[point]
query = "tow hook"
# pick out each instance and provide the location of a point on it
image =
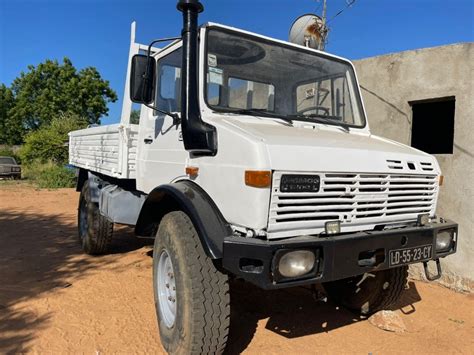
(427, 273)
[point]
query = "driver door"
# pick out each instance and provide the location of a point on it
(161, 154)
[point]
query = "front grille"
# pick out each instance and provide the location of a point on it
(354, 199)
(426, 166)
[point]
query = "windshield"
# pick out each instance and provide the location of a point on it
(247, 74)
(7, 160)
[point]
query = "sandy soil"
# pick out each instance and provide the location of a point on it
(55, 299)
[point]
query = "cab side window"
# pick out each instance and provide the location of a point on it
(169, 82)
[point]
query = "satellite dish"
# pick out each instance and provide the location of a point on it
(309, 31)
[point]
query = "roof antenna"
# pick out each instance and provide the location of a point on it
(311, 30)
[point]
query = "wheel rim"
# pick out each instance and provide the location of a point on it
(83, 225)
(166, 289)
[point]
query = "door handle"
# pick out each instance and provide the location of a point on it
(148, 140)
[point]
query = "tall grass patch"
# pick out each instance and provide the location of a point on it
(49, 175)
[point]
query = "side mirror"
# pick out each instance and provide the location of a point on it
(142, 79)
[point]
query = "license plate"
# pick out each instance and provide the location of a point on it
(410, 255)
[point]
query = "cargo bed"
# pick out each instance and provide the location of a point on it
(109, 150)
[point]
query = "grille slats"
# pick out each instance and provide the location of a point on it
(316, 208)
(393, 191)
(426, 166)
(378, 180)
(354, 199)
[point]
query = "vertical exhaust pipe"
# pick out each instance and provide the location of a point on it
(199, 137)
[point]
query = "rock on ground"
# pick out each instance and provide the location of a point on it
(388, 320)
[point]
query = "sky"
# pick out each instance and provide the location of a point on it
(97, 32)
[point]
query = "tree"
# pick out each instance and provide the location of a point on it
(135, 117)
(49, 143)
(9, 132)
(51, 88)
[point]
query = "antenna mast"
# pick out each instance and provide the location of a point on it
(323, 29)
(312, 30)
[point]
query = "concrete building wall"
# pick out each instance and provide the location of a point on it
(388, 84)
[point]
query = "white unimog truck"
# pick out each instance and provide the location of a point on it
(253, 159)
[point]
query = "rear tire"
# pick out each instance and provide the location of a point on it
(191, 296)
(371, 292)
(95, 230)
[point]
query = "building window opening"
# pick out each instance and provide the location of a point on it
(433, 125)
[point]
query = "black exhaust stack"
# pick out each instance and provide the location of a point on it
(199, 137)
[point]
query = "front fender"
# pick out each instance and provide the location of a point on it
(188, 197)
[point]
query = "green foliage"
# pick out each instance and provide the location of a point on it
(49, 175)
(49, 143)
(10, 131)
(8, 152)
(57, 177)
(49, 89)
(135, 117)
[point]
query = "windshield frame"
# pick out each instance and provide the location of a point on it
(252, 36)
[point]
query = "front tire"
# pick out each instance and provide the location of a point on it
(191, 296)
(371, 292)
(95, 230)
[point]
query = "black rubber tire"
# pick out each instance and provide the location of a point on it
(378, 291)
(202, 318)
(95, 231)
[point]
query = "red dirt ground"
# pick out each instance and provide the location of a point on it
(55, 299)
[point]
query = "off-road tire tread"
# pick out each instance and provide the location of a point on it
(210, 292)
(100, 229)
(398, 278)
(380, 299)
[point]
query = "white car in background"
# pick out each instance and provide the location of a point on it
(9, 168)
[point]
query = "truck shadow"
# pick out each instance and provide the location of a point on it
(291, 313)
(40, 254)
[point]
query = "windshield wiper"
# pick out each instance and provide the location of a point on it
(259, 112)
(333, 120)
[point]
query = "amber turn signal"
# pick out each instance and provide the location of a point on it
(258, 178)
(441, 180)
(192, 170)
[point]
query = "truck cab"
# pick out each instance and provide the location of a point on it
(253, 159)
(291, 113)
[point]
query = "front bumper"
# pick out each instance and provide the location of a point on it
(337, 257)
(10, 174)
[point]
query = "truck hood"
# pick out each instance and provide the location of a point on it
(308, 147)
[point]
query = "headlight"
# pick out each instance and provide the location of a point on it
(296, 263)
(444, 240)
